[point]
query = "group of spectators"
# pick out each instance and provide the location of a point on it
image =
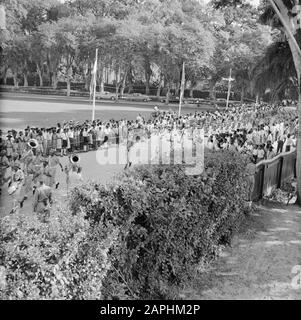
(261, 130)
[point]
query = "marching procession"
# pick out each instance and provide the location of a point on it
(30, 158)
(27, 172)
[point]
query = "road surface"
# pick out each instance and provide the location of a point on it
(20, 110)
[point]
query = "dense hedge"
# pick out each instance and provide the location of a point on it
(168, 222)
(59, 260)
(142, 236)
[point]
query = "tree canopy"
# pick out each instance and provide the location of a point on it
(138, 41)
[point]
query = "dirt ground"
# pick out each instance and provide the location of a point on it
(260, 263)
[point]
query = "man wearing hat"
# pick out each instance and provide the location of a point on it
(42, 201)
(9, 145)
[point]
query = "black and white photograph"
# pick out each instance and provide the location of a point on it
(150, 151)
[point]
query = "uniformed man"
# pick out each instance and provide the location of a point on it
(4, 165)
(42, 201)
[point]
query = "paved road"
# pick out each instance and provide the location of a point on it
(19, 110)
(92, 171)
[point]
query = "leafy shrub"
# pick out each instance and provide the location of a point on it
(167, 222)
(58, 260)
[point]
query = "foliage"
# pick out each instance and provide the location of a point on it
(142, 236)
(285, 193)
(168, 222)
(59, 260)
(142, 41)
(275, 70)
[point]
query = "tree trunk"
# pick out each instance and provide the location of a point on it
(191, 92)
(117, 90)
(101, 80)
(130, 90)
(147, 80)
(123, 83)
(68, 86)
(16, 81)
(130, 80)
(242, 94)
(148, 73)
(54, 80)
(87, 76)
(25, 84)
(40, 76)
(160, 87)
(212, 93)
(167, 94)
(105, 75)
(159, 90)
(117, 80)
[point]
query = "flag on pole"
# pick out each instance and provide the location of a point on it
(182, 88)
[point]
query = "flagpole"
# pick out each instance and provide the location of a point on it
(94, 84)
(182, 87)
(229, 89)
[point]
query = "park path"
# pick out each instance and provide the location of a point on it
(259, 263)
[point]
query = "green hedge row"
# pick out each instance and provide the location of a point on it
(168, 222)
(59, 260)
(141, 237)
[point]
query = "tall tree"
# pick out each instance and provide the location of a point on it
(285, 15)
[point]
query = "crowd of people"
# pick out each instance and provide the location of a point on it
(30, 157)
